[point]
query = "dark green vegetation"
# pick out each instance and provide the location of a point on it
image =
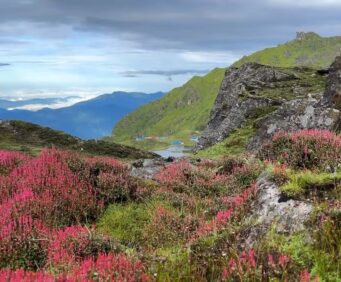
(186, 109)
(31, 138)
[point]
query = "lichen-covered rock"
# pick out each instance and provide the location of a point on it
(287, 215)
(295, 115)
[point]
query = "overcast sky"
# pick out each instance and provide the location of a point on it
(90, 47)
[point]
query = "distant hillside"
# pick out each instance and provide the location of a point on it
(181, 112)
(90, 119)
(31, 138)
(186, 109)
(307, 49)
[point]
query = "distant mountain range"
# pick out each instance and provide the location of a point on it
(186, 109)
(89, 119)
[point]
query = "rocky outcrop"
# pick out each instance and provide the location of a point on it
(295, 115)
(237, 98)
(147, 168)
(242, 92)
(306, 113)
(271, 210)
(332, 95)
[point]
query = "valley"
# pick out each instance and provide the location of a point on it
(173, 115)
(234, 176)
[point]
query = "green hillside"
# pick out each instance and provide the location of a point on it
(179, 114)
(308, 49)
(186, 109)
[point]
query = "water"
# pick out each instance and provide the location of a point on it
(176, 151)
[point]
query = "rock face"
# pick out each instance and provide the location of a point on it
(232, 107)
(306, 113)
(241, 94)
(295, 115)
(332, 95)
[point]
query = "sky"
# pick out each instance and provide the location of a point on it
(59, 48)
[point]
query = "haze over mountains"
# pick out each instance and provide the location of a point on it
(37, 103)
(89, 119)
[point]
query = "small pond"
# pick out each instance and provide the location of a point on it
(176, 151)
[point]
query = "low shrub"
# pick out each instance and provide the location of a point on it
(167, 227)
(10, 160)
(23, 239)
(202, 180)
(61, 198)
(106, 267)
(308, 181)
(21, 275)
(257, 266)
(109, 268)
(69, 246)
(305, 149)
(234, 207)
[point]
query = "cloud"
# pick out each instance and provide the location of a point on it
(191, 25)
(167, 73)
(308, 3)
(62, 103)
(211, 57)
(62, 44)
(4, 65)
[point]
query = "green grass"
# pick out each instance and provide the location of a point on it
(314, 51)
(303, 181)
(125, 222)
(235, 144)
(307, 251)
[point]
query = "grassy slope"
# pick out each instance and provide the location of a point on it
(314, 51)
(23, 136)
(181, 112)
(186, 109)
